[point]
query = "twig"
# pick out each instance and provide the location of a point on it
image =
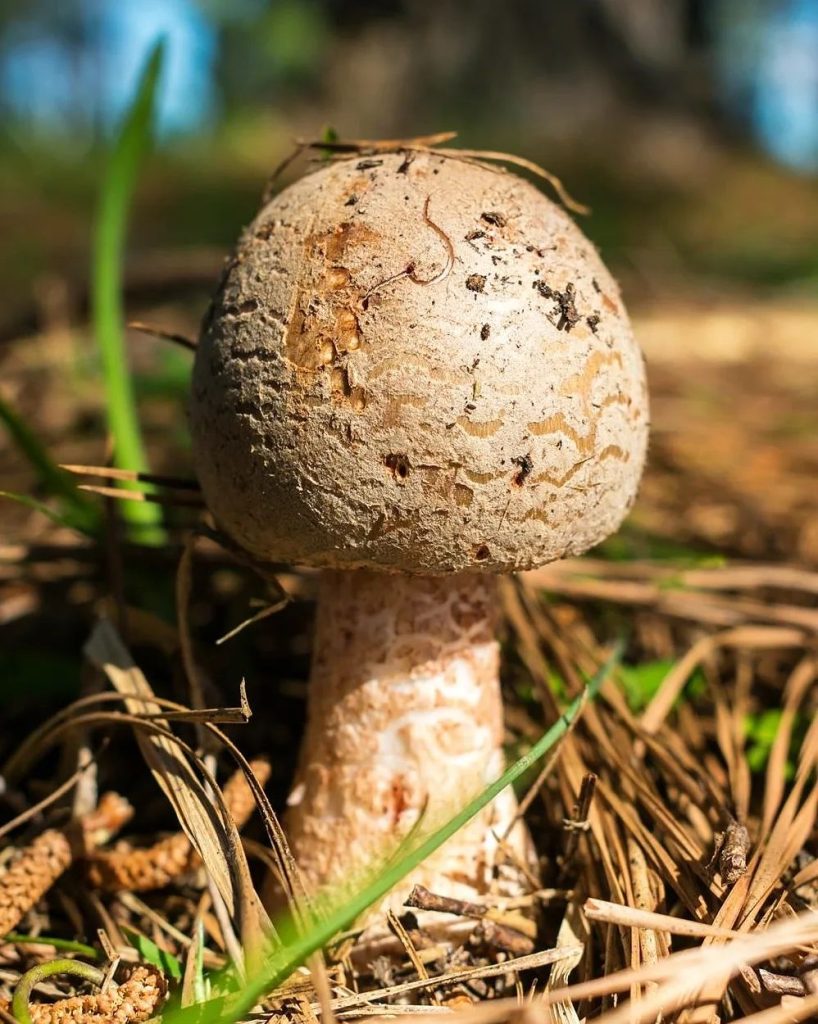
(781, 984)
(112, 473)
(263, 613)
(504, 937)
(159, 332)
(187, 500)
(378, 145)
(631, 917)
(420, 898)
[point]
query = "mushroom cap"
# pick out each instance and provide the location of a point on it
(417, 363)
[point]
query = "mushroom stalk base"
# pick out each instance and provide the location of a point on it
(405, 719)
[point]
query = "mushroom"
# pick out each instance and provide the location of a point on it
(417, 375)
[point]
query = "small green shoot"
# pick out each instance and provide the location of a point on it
(641, 682)
(760, 731)
(130, 146)
(55, 515)
(329, 135)
(156, 957)
(632, 542)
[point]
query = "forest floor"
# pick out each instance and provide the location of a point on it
(676, 829)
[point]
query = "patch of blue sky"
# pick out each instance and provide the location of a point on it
(767, 68)
(81, 73)
(786, 97)
(186, 100)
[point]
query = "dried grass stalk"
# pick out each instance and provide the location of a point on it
(187, 783)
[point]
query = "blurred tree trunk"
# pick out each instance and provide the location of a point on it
(553, 69)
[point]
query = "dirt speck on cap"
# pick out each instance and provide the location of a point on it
(493, 217)
(476, 282)
(565, 304)
(525, 464)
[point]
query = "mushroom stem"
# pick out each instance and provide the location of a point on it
(405, 719)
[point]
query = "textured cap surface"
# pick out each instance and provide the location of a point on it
(417, 364)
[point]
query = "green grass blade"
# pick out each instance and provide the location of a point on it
(77, 511)
(296, 951)
(64, 945)
(129, 147)
(55, 515)
(153, 955)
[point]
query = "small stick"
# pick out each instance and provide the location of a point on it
(502, 937)
(378, 145)
(159, 332)
(781, 984)
(387, 1010)
(41, 805)
(188, 500)
(113, 473)
(263, 613)
(493, 932)
(420, 898)
(631, 917)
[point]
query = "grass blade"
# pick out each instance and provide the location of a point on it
(131, 143)
(57, 517)
(77, 511)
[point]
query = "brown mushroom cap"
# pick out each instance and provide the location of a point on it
(417, 364)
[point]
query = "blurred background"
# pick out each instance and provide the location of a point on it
(690, 127)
